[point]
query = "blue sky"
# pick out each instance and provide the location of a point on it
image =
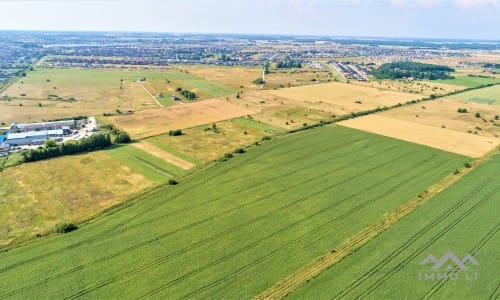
(479, 19)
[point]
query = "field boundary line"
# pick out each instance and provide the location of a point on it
(154, 98)
(163, 155)
(284, 287)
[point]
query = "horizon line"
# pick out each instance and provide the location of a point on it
(304, 35)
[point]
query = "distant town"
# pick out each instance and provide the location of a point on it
(20, 50)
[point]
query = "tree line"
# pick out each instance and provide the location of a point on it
(402, 69)
(110, 135)
(50, 150)
(288, 63)
(117, 136)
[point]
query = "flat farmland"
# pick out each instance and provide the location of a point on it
(202, 144)
(204, 88)
(440, 138)
(30, 111)
(35, 196)
(341, 97)
(291, 108)
(468, 81)
(489, 95)
(281, 78)
(462, 219)
(298, 197)
(90, 88)
(283, 112)
(443, 113)
(164, 155)
(424, 88)
(233, 77)
(156, 165)
(159, 121)
(64, 91)
(241, 78)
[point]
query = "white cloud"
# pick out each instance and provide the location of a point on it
(476, 3)
(427, 3)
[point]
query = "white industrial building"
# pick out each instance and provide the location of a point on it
(42, 126)
(32, 137)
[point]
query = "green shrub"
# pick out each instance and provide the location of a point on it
(63, 227)
(259, 81)
(122, 138)
(176, 132)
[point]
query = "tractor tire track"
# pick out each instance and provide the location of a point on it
(199, 222)
(475, 249)
(424, 246)
(282, 288)
(122, 230)
(411, 240)
(155, 263)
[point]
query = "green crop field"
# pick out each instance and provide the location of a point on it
(208, 87)
(236, 228)
(462, 219)
(489, 95)
(266, 128)
(468, 81)
(149, 166)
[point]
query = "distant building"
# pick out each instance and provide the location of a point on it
(32, 137)
(4, 149)
(42, 126)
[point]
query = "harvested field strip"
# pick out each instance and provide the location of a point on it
(166, 148)
(467, 206)
(295, 196)
(440, 138)
(158, 121)
(156, 151)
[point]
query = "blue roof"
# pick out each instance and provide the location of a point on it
(2, 138)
